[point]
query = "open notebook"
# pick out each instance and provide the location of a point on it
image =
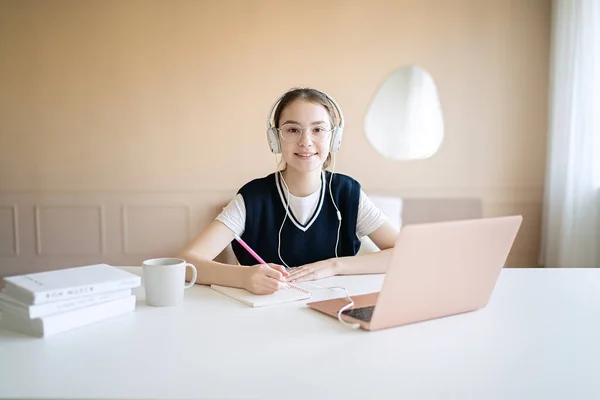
(293, 293)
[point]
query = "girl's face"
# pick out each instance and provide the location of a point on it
(311, 150)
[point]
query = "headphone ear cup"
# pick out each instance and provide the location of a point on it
(336, 139)
(273, 138)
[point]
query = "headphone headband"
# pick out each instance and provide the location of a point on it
(336, 137)
(270, 122)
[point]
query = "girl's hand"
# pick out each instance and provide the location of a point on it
(314, 271)
(264, 279)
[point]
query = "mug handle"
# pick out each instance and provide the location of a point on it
(195, 275)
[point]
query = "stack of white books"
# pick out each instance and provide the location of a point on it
(45, 303)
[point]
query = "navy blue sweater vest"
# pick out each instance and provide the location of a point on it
(316, 240)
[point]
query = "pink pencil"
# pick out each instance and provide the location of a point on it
(260, 260)
(252, 252)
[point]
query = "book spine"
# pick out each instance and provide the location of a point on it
(41, 310)
(50, 325)
(84, 290)
(57, 323)
(52, 308)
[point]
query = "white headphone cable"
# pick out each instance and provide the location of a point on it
(352, 325)
(339, 215)
(287, 205)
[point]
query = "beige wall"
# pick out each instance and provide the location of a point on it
(119, 117)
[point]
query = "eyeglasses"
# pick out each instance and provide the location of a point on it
(292, 132)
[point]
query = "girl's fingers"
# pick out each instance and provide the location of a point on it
(300, 276)
(307, 277)
(272, 285)
(280, 268)
(273, 273)
(297, 271)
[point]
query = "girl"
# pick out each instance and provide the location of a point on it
(304, 221)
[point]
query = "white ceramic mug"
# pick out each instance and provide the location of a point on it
(164, 281)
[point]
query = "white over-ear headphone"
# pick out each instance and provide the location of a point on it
(336, 134)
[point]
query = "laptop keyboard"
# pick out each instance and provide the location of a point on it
(362, 313)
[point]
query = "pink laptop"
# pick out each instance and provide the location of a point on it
(436, 270)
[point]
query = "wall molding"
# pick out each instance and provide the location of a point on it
(125, 246)
(15, 230)
(38, 208)
(125, 239)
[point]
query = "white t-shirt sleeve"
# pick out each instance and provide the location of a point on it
(369, 217)
(234, 215)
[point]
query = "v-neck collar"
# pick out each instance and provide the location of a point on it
(284, 202)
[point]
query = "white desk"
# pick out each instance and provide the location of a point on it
(539, 338)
